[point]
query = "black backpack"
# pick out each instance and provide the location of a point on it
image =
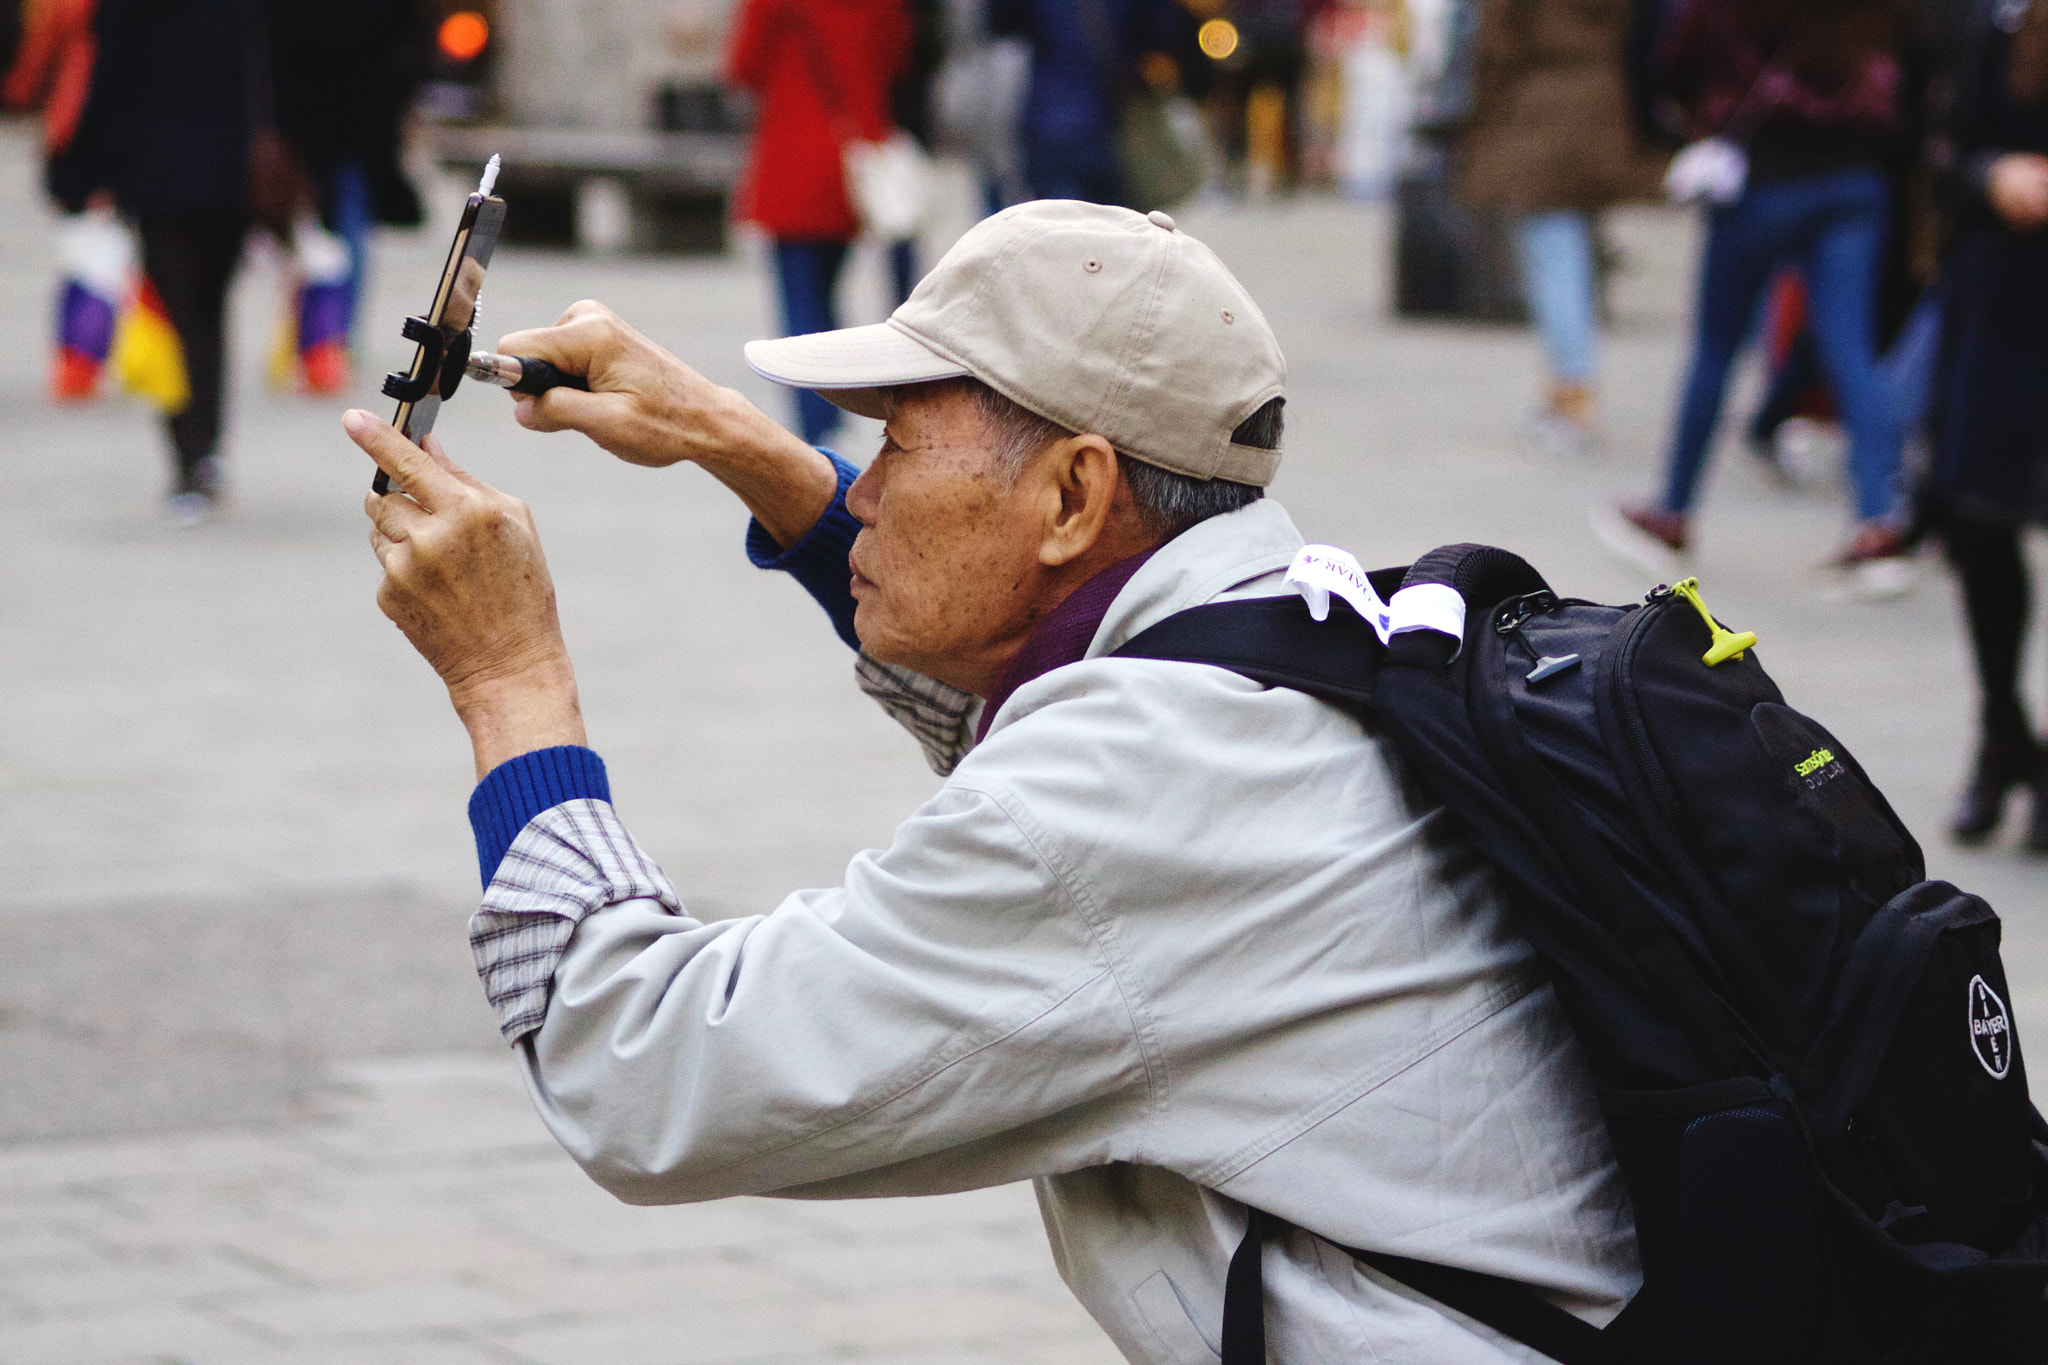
(1803, 1048)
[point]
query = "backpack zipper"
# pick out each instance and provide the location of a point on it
(1517, 613)
(1630, 710)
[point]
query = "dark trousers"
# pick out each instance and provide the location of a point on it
(1833, 227)
(1070, 166)
(807, 274)
(1997, 600)
(191, 261)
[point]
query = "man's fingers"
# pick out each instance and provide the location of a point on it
(588, 340)
(571, 344)
(394, 516)
(439, 454)
(386, 549)
(572, 410)
(428, 483)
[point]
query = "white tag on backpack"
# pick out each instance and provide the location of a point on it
(1319, 571)
(1427, 606)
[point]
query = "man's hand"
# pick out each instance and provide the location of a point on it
(2017, 187)
(465, 580)
(649, 408)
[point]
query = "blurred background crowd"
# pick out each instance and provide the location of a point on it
(1872, 174)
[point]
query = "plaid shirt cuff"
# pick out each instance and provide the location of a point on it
(568, 862)
(941, 717)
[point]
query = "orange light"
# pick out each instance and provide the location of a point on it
(463, 35)
(1217, 38)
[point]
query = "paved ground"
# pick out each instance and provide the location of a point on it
(251, 1103)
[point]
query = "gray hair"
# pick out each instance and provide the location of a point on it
(1167, 503)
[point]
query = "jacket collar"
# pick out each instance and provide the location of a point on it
(1064, 635)
(1221, 556)
(1212, 559)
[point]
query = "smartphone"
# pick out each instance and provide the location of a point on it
(443, 332)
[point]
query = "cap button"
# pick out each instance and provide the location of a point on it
(1160, 218)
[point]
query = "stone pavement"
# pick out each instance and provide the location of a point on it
(252, 1106)
(424, 1217)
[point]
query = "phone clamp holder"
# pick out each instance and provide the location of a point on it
(441, 365)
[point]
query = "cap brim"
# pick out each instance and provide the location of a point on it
(851, 366)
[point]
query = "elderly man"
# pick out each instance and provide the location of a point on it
(1173, 945)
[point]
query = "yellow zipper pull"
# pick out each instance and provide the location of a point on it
(1727, 644)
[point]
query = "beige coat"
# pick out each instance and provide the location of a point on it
(1168, 942)
(1551, 126)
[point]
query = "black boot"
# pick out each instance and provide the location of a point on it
(2002, 764)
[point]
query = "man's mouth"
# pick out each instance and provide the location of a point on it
(860, 580)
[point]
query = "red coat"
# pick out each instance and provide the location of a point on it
(822, 70)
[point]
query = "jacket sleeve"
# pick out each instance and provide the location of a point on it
(27, 82)
(753, 37)
(1980, 123)
(946, 1019)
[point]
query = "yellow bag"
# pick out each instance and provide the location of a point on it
(147, 357)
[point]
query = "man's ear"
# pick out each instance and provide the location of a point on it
(1081, 473)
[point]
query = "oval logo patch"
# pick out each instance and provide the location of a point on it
(1990, 1029)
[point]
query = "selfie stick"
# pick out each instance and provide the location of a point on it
(521, 374)
(444, 356)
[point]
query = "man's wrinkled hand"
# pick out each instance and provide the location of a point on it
(644, 405)
(649, 408)
(465, 580)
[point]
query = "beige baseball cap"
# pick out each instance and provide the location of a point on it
(1097, 318)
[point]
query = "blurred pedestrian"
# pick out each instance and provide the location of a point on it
(1796, 393)
(182, 121)
(347, 73)
(1086, 56)
(1553, 140)
(52, 71)
(1266, 79)
(1989, 416)
(912, 108)
(979, 97)
(823, 71)
(1795, 106)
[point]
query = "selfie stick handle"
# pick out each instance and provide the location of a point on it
(521, 374)
(537, 376)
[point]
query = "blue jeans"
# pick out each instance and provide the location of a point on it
(353, 223)
(1833, 228)
(808, 273)
(1557, 280)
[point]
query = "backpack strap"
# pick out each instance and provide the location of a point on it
(1273, 640)
(1513, 1309)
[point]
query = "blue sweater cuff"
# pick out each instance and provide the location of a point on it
(520, 788)
(818, 561)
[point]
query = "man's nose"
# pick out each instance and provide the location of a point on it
(863, 496)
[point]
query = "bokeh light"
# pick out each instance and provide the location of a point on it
(1218, 38)
(463, 35)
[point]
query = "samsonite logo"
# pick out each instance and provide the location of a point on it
(1817, 767)
(1990, 1029)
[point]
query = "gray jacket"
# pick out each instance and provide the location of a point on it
(1167, 943)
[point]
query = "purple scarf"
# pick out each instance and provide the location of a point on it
(1062, 637)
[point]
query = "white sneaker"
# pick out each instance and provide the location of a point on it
(187, 510)
(1884, 580)
(1809, 452)
(1560, 438)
